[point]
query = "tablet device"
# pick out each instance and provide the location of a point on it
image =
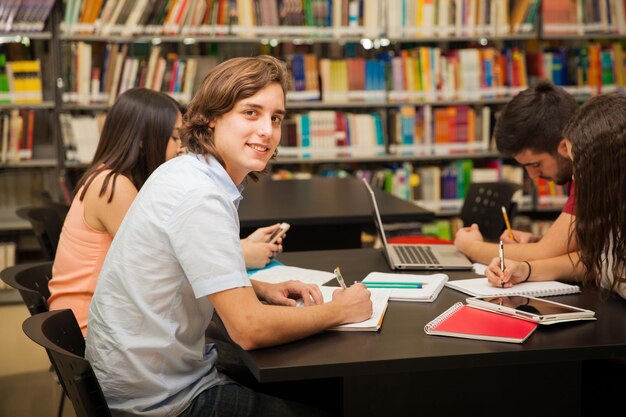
(532, 309)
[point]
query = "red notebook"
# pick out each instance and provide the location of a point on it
(471, 323)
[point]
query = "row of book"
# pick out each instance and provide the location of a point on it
(449, 18)
(592, 69)
(81, 134)
(24, 15)
(17, 133)
(442, 188)
(332, 133)
(427, 73)
(98, 73)
(20, 81)
(221, 17)
(583, 17)
(549, 194)
(428, 130)
(327, 18)
(326, 133)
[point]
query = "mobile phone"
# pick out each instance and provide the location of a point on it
(282, 229)
(531, 308)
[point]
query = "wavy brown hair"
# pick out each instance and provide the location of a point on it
(598, 137)
(229, 82)
(134, 139)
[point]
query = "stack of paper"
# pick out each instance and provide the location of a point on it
(480, 287)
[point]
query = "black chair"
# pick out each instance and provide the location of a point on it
(483, 206)
(58, 332)
(31, 280)
(47, 222)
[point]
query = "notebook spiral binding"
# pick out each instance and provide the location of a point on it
(443, 316)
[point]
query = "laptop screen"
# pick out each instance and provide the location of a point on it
(377, 219)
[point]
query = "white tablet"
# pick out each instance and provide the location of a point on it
(533, 309)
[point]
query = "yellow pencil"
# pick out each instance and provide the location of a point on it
(508, 224)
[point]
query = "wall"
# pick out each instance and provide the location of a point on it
(18, 354)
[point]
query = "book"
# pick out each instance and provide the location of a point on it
(468, 322)
(431, 285)
(25, 81)
(480, 287)
(380, 301)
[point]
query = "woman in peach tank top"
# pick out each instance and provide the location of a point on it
(139, 134)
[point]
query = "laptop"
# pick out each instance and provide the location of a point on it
(418, 256)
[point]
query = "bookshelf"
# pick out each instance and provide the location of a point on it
(374, 91)
(29, 153)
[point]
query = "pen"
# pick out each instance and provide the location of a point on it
(501, 256)
(508, 224)
(501, 261)
(340, 278)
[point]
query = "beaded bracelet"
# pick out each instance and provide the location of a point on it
(529, 271)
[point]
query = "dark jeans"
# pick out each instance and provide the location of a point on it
(234, 400)
(247, 397)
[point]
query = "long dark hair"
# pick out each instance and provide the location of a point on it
(134, 139)
(598, 137)
(229, 82)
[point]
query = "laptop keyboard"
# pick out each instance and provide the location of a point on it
(420, 255)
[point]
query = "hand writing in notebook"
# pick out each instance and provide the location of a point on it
(514, 272)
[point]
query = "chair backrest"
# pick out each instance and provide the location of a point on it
(58, 332)
(47, 222)
(483, 206)
(31, 280)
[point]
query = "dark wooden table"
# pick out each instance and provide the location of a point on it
(324, 213)
(402, 371)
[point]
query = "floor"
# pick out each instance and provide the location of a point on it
(31, 395)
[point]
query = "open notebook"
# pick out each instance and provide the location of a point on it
(380, 300)
(480, 287)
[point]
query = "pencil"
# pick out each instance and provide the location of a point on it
(508, 224)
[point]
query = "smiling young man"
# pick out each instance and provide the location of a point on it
(177, 258)
(529, 129)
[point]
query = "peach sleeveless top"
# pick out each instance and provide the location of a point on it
(77, 264)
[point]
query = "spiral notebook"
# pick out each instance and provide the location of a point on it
(468, 322)
(480, 287)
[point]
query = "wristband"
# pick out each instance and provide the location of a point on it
(529, 271)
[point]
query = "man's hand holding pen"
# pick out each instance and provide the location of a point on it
(356, 300)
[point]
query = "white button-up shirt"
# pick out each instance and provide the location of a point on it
(178, 243)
